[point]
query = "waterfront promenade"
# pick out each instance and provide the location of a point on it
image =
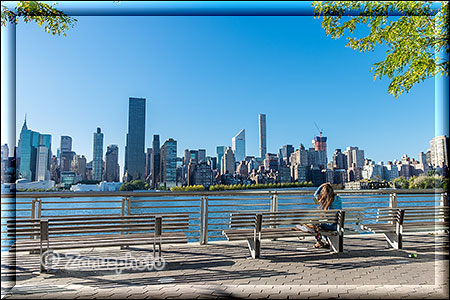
(289, 269)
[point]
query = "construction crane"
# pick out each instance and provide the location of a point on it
(320, 130)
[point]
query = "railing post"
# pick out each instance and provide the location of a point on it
(444, 203)
(39, 210)
(33, 208)
(128, 206)
(202, 219)
(393, 200)
(444, 199)
(205, 226)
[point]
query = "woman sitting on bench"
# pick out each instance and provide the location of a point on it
(327, 199)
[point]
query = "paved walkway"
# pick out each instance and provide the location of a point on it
(288, 269)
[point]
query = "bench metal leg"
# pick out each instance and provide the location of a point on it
(254, 245)
(336, 242)
(394, 240)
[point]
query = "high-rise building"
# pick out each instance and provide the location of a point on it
(66, 144)
(5, 152)
(156, 158)
(79, 166)
(220, 152)
(112, 164)
(168, 167)
(28, 151)
(262, 136)
(202, 155)
(285, 154)
(339, 160)
(356, 156)
(148, 164)
(97, 162)
(238, 145)
(135, 145)
(438, 150)
(271, 162)
(42, 163)
(228, 162)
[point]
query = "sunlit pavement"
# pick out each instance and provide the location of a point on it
(287, 269)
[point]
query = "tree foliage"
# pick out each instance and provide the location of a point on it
(43, 14)
(412, 40)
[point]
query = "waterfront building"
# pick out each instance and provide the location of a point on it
(404, 167)
(438, 151)
(68, 178)
(299, 173)
(202, 174)
(168, 167)
(262, 136)
(372, 171)
(135, 144)
(112, 164)
(24, 184)
(220, 152)
(79, 163)
(238, 145)
(97, 162)
(156, 160)
(148, 164)
(228, 162)
(390, 171)
(284, 174)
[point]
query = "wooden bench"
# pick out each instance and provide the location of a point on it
(393, 222)
(254, 227)
(59, 233)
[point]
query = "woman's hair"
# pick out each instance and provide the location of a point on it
(326, 196)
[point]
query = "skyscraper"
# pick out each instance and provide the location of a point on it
(438, 150)
(238, 145)
(66, 144)
(156, 157)
(285, 154)
(169, 163)
(262, 136)
(148, 163)
(65, 153)
(42, 163)
(29, 143)
(135, 146)
(228, 162)
(220, 152)
(97, 162)
(112, 164)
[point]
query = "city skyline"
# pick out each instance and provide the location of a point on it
(300, 93)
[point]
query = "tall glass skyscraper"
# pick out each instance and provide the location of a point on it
(169, 163)
(220, 152)
(97, 162)
(28, 151)
(135, 146)
(262, 136)
(238, 145)
(156, 157)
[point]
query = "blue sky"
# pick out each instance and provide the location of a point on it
(206, 78)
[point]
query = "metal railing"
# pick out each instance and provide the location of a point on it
(209, 212)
